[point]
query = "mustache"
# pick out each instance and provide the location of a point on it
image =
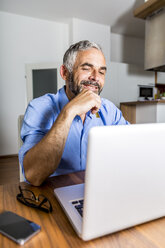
(88, 82)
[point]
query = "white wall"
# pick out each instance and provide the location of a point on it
(127, 49)
(23, 40)
(85, 30)
(122, 82)
(126, 69)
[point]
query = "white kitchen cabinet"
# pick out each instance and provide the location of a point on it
(144, 112)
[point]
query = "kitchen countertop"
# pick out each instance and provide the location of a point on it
(144, 102)
(144, 111)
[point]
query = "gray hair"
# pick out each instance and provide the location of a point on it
(70, 55)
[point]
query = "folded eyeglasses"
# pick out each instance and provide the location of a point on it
(28, 198)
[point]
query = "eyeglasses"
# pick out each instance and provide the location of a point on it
(28, 198)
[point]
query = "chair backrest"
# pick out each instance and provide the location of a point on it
(20, 143)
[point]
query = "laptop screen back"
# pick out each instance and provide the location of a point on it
(124, 182)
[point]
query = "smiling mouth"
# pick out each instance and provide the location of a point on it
(90, 85)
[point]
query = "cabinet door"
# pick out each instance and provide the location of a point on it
(129, 112)
(146, 113)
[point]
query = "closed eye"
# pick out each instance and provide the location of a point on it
(85, 68)
(102, 72)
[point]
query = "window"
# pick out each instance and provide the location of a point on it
(42, 79)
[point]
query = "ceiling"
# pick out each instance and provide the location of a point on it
(116, 13)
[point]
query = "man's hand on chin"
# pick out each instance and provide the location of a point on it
(86, 100)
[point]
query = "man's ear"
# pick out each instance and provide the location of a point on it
(64, 72)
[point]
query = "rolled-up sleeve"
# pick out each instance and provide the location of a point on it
(38, 119)
(30, 141)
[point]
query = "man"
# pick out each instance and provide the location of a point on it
(55, 128)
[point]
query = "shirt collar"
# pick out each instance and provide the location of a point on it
(63, 99)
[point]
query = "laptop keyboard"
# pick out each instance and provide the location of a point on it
(78, 204)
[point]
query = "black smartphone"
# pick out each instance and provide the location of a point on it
(17, 228)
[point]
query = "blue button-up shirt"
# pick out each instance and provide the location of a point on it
(42, 112)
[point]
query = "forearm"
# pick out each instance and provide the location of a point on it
(43, 159)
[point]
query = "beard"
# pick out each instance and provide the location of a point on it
(76, 89)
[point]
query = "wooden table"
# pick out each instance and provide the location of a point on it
(56, 230)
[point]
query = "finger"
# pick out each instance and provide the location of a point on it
(94, 110)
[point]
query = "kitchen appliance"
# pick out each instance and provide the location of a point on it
(146, 92)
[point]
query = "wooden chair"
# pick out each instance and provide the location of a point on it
(20, 143)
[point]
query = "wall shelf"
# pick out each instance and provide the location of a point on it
(148, 8)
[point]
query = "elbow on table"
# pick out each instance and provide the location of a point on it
(32, 176)
(34, 180)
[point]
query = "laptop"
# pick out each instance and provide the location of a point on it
(124, 180)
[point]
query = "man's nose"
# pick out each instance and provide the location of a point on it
(94, 76)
